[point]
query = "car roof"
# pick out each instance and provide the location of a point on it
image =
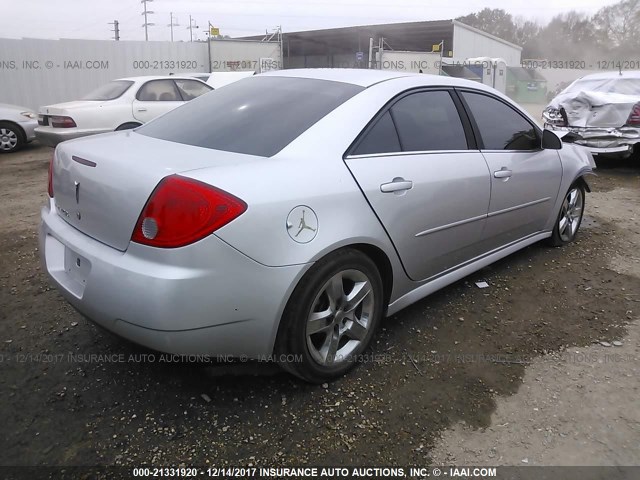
(612, 75)
(144, 78)
(366, 78)
(18, 108)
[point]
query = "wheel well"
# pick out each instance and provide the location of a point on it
(384, 266)
(381, 261)
(583, 182)
(23, 136)
(128, 125)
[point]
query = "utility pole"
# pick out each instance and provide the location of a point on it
(116, 30)
(146, 14)
(281, 47)
(191, 27)
(209, 46)
(171, 25)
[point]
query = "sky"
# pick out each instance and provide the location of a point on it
(90, 18)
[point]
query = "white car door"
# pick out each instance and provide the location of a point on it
(154, 98)
(525, 179)
(419, 169)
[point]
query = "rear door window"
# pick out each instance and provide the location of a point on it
(190, 89)
(418, 122)
(428, 121)
(159, 91)
(381, 138)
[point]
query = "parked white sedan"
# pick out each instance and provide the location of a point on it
(118, 105)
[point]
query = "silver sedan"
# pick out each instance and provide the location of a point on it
(283, 216)
(17, 125)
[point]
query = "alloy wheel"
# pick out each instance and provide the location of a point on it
(571, 214)
(340, 318)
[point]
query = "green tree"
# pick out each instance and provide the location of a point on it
(495, 21)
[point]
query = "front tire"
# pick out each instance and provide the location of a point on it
(331, 317)
(570, 217)
(11, 137)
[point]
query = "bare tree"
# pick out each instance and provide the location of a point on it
(617, 25)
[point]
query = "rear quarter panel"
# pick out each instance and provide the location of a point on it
(109, 115)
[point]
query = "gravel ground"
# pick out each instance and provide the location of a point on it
(578, 406)
(446, 372)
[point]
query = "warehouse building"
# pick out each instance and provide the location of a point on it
(351, 46)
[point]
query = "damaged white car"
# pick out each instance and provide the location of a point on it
(599, 111)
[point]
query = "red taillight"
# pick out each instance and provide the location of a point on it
(181, 211)
(62, 122)
(634, 116)
(51, 177)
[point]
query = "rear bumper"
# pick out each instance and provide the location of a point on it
(53, 136)
(623, 149)
(203, 299)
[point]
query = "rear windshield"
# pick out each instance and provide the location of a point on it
(109, 91)
(626, 86)
(256, 116)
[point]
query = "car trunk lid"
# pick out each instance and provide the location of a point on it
(595, 109)
(102, 183)
(68, 107)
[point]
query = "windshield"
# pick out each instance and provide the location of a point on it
(109, 91)
(256, 116)
(625, 86)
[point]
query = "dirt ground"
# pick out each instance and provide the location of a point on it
(466, 376)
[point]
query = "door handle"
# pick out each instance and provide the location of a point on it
(398, 184)
(142, 109)
(503, 173)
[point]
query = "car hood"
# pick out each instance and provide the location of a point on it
(65, 107)
(595, 109)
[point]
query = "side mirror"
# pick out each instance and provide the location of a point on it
(550, 140)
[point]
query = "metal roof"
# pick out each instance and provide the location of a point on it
(460, 71)
(412, 36)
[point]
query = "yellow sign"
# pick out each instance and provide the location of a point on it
(435, 48)
(214, 31)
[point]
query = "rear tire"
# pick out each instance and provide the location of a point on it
(11, 137)
(331, 317)
(570, 217)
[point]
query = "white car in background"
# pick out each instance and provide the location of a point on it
(16, 127)
(118, 105)
(600, 112)
(202, 76)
